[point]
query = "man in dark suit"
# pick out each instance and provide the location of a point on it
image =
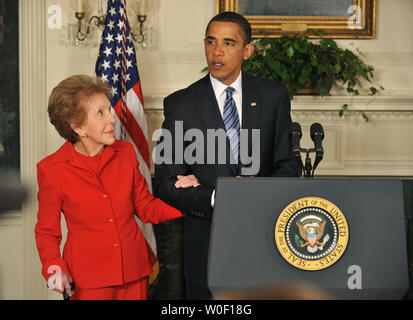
(229, 101)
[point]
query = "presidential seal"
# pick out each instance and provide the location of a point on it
(311, 233)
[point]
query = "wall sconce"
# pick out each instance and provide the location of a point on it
(141, 34)
(138, 36)
(100, 22)
(80, 15)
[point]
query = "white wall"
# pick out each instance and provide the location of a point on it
(380, 147)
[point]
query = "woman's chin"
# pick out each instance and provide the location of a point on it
(110, 141)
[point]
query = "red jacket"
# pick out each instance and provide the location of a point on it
(105, 246)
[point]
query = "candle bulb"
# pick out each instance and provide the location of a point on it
(141, 7)
(79, 6)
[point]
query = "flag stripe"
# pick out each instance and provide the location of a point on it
(134, 131)
(136, 108)
(138, 91)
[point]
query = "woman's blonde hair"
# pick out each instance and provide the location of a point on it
(67, 102)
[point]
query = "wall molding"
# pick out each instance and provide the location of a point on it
(356, 103)
(385, 113)
(308, 107)
(390, 59)
(331, 102)
(352, 115)
(33, 99)
(11, 219)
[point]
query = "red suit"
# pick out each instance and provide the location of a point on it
(105, 246)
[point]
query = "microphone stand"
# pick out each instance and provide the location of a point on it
(308, 169)
(308, 166)
(317, 133)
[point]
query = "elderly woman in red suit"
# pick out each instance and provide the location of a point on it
(96, 182)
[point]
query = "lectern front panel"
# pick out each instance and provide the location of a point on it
(244, 254)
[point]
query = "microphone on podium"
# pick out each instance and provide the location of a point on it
(317, 135)
(295, 137)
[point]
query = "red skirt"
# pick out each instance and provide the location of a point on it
(135, 290)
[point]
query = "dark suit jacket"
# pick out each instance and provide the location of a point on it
(196, 107)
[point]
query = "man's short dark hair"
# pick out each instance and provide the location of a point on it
(229, 16)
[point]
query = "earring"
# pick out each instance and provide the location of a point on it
(83, 134)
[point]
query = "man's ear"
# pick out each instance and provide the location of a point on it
(248, 51)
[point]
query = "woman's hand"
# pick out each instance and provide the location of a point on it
(60, 281)
(187, 181)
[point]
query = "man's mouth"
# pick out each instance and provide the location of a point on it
(217, 65)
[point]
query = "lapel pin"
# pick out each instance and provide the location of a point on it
(253, 104)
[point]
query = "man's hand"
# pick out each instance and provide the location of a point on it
(187, 181)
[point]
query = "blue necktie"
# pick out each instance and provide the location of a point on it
(231, 121)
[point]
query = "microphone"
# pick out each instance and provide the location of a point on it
(295, 137)
(317, 135)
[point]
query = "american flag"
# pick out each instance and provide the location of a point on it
(116, 64)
